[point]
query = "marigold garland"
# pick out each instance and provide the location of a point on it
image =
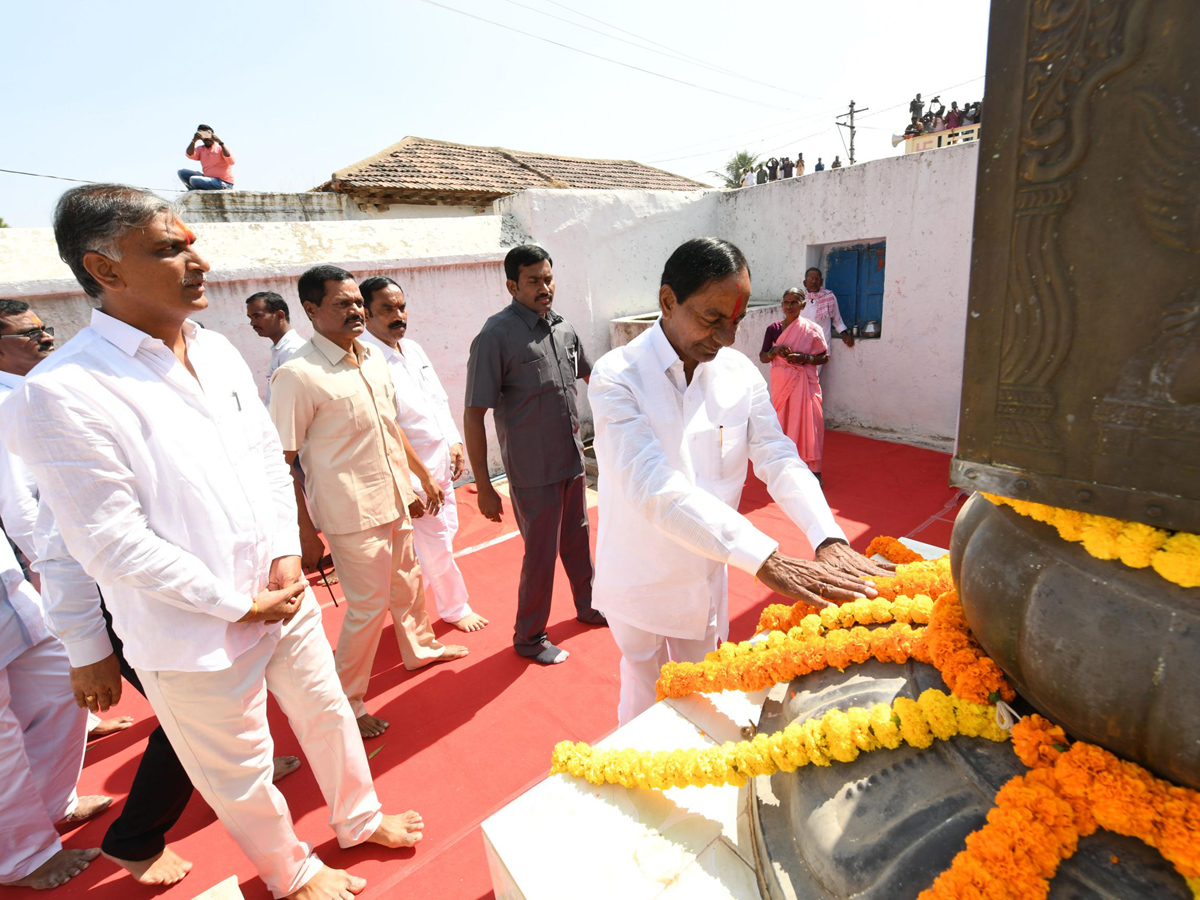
(753, 665)
(930, 577)
(953, 651)
(1070, 792)
(877, 611)
(838, 736)
(891, 550)
(1176, 557)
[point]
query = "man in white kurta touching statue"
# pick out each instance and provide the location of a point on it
(423, 411)
(678, 415)
(165, 477)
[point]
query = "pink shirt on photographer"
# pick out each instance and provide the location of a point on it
(213, 161)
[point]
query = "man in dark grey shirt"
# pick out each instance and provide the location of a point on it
(523, 365)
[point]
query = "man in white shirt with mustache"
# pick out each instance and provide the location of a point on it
(423, 411)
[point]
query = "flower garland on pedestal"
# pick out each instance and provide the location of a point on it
(1174, 556)
(836, 736)
(1070, 792)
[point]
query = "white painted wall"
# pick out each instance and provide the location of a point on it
(906, 384)
(309, 206)
(450, 291)
(609, 248)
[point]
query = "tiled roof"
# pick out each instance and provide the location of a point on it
(440, 170)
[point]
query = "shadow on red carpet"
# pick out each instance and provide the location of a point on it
(468, 736)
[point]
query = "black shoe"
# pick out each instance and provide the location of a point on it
(592, 617)
(545, 653)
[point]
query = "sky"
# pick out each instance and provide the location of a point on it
(113, 91)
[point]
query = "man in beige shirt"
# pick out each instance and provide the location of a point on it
(335, 406)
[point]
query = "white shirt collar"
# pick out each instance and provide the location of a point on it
(661, 347)
(11, 381)
(125, 337)
(388, 351)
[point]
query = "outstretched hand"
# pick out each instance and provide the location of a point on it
(839, 555)
(835, 576)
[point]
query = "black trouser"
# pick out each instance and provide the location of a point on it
(553, 522)
(160, 790)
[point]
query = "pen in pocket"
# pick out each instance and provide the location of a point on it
(721, 436)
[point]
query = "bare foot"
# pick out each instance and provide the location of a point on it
(166, 868)
(369, 726)
(449, 652)
(86, 808)
(284, 766)
(403, 830)
(471, 622)
(330, 884)
(57, 870)
(110, 726)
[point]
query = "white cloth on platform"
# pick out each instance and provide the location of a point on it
(217, 724)
(42, 730)
(673, 460)
(423, 411)
(172, 493)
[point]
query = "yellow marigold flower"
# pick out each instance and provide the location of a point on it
(884, 726)
(1179, 559)
(1137, 542)
(1100, 537)
(938, 709)
(838, 737)
(811, 739)
(860, 728)
(913, 727)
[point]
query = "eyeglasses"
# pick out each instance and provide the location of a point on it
(33, 334)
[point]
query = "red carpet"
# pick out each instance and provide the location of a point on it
(468, 736)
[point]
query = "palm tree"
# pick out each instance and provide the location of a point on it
(738, 163)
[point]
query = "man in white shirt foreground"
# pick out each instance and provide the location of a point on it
(270, 318)
(41, 742)
(423, 411)
(166, 480)
(678, 414)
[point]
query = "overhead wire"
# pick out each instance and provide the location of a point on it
(666, 51)
(82, 180)
(608, 59)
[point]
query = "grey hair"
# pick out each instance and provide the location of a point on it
(93, 219)
(799, 292)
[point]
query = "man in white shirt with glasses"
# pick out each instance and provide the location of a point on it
(166, 480)
(678, 415)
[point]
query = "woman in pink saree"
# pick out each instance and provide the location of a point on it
(795, 347)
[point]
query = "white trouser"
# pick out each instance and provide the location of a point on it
(42, 736)
(644, 653)
(434, 540)
(217, 724)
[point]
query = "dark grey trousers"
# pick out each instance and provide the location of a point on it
(553, 522)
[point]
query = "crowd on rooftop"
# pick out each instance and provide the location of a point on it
(939, 118)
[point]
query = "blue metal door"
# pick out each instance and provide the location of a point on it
(870, 303)
(842, 277)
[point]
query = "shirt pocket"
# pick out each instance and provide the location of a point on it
(347, 413)
(732, 453)
(536, 373)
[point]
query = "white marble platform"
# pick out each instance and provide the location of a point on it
(565, 838)
(568, 838)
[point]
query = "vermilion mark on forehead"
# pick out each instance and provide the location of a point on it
(740, 305)
(187, 232)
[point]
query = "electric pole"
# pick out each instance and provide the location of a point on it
(851, 114)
